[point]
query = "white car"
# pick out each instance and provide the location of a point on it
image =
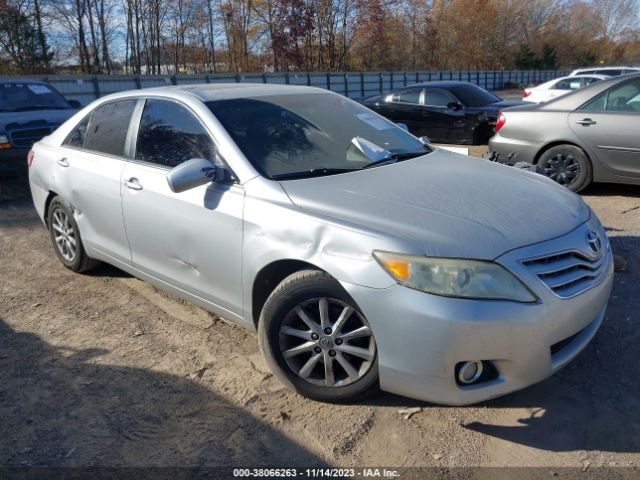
(558, 87)
(609, 71)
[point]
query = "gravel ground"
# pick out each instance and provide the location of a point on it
(101, 369)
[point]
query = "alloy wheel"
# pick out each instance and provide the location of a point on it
(64, 235)
(562, 168)
(327, 342)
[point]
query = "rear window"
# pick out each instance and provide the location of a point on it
(18, 97)
(473, 95)
(108, 126)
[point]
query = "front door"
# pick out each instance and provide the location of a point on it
(191, 240)
(447, 123)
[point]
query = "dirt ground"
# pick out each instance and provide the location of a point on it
(101, 369)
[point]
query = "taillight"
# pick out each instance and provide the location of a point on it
(526, 93)
(501, 121)
(30, 156)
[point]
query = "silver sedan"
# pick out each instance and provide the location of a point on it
(362, 256)
(590, 135)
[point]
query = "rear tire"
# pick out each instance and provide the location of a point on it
(65, 237)
(316, 340)
(568, 166)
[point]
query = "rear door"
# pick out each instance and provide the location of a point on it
(88, 170)
(193, 239)
(609, 126)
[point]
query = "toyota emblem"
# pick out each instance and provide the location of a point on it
(595, 244)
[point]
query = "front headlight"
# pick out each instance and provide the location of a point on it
(4, 142)
(453, 277)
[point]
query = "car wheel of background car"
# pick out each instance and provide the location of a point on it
(316, 340)
(567, 165)
(65, 237)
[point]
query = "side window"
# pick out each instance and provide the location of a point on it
(108, 125)
(590, 80)
(411, 96)
(567, 84)
(595, 105)
(624, 98)
(437, 99)
(77, 136)
(169, 134)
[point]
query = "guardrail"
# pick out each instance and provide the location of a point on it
(356, 85)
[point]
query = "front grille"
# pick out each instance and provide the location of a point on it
(25, 137)
(567, 274)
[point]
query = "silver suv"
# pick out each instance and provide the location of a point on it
(363, 256)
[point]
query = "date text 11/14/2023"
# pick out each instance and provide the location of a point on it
(315, 473)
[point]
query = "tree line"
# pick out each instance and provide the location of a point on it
(209, 36)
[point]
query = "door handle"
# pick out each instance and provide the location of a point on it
(586, 122)
(133, 184)
(63, 162)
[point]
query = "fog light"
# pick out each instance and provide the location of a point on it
(470, 372)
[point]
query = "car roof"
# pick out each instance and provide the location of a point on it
(223, 91)
(586, 75)
(595, 69)
(442, 84)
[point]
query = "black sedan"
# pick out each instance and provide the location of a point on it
(446, 112)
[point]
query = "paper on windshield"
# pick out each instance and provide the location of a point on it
(39, 89)
(376, 122)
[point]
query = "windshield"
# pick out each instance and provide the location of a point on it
(15, 97)
(474, 96)
(285, 135)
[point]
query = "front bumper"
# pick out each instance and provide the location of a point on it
(514, 150)
(421, 337)
(13, 160)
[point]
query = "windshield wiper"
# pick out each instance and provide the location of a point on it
(395, 158)
(314, 172)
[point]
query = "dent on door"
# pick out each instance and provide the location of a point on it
(191, 240)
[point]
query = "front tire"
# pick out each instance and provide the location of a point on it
(316, 340)
(568, 166)
(65, 237)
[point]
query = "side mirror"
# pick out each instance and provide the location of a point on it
(191, 174)
(426, 140)
(403, 126)
(75, 103)
(454, 106)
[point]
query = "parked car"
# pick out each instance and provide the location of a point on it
(361, 255)
(590, 135)
(446, 112)
(558, 87)
(610, 71)
(29, 110)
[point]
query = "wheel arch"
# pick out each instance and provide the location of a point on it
(268, 278)
(556, 143)
(47, 203)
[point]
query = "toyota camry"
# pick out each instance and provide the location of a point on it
(362, 256)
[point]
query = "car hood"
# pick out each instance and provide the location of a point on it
(11, 120)
(446, 204)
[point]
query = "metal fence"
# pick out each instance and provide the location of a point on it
(356, 85)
